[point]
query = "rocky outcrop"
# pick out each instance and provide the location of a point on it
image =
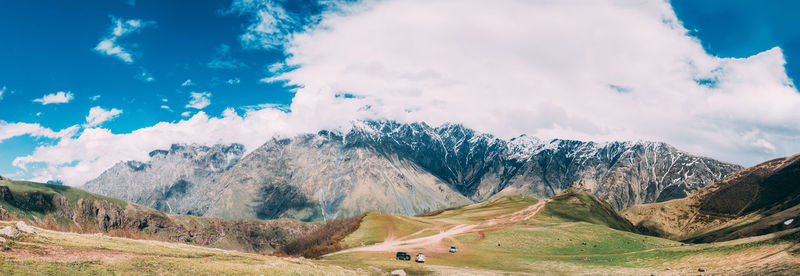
(5, 215)
(24, 227)
(5, 194)
(9, 231)
(409, 169)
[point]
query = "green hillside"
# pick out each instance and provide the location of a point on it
(573, 205)
(64, 208)
(758, 200)
(574, 233)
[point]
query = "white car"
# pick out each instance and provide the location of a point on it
(453, 249)
(420, 258)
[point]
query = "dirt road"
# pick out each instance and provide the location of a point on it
(435, 242)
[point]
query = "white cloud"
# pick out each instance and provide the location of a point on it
(93, 148)
(592, 70)
(545, 68)
(95, 97)
(10, 130)
(271, 25)
(166, 108)
(107, 47)
(3, 91)
(144, 76)
(234, 81)
(187, 83)
(55, 98)
(222, 59)
(98, 115)
(110, 46)
(199, 100)
(229, 113)
(186, 114)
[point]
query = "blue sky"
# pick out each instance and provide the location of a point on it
(48, 47)
(51, 46)
(738, 28)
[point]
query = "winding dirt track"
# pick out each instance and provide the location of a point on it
(391, 243)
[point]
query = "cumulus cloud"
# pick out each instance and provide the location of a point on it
(223, 59)
(234, 81)
(95, 97)
(55, 98)
(92, 147)
(590, 70)
(599, 70)
(187, 83)
(9, 130)
(109, 45)
(229, 113)
(98, 115)
(199, 100)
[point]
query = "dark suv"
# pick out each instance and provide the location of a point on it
(403, 256)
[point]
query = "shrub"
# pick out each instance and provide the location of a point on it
(324, 239)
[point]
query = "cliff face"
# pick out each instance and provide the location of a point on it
(404, 168)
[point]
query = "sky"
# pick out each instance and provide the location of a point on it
(84, 85)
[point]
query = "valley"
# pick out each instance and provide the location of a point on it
(742, 224)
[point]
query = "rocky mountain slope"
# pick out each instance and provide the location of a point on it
(758, 200)
(64, 208)
(402, 168)
(163, 182)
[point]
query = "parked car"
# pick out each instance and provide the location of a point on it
(453, 249)
(420, 258)
(403, 256)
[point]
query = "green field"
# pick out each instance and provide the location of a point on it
(573, 234)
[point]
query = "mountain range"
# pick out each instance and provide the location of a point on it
(405, 168)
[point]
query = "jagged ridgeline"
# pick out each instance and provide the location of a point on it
(399, 168)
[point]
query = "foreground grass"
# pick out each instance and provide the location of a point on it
(59, 253)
